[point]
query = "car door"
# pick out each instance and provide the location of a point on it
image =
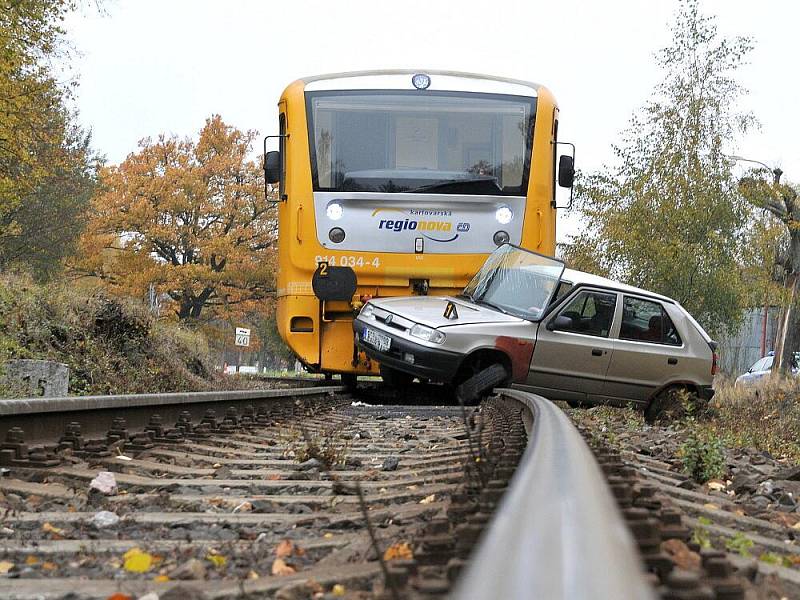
(573, 348)
(648, 353)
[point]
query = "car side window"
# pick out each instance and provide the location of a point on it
(589, 313)
(647, 321)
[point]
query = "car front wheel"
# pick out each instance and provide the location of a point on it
(470, 391)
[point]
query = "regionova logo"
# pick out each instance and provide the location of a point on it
(432, 224)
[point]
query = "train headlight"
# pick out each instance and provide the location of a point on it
(367, 311)
(336, 235)
(504, 215)
(428, 334)
(501, 237)
(334, 211)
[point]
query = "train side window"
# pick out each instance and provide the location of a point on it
(282, 147)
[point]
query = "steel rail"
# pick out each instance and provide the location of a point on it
(557, 532)
(42, 418)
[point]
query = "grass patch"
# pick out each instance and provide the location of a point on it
(766, 417)
(111, 345)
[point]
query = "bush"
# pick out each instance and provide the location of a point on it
(111, 345)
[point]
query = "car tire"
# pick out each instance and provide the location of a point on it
(470, 391)
(670, 404)
(395, 378)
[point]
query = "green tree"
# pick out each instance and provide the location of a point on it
(667, 215)
(46, 168)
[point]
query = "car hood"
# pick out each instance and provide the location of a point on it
(429, 310)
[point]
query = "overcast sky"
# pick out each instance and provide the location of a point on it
(152, 66)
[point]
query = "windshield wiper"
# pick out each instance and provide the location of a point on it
(494, 306)
(479, 185)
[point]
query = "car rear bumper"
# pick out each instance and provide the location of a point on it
(429, 363)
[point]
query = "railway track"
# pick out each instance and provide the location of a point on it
(302, 493)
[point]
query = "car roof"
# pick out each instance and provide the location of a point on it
(582, 278)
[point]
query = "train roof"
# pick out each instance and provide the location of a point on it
(439, 80)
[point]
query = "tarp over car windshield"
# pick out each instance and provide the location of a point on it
(516, 281)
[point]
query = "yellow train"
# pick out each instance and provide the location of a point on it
(401, 182)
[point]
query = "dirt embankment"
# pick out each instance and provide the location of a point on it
(110, 345)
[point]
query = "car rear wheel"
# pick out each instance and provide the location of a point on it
(395, 378)
(670, 404)
(471, 390)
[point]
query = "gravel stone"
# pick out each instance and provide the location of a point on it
(390, 463)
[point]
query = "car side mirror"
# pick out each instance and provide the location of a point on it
(272, 166)
(560, 322)
(566, 171)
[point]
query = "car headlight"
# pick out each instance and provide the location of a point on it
(366, 310)
(428, 334)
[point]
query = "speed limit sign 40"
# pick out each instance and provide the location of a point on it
(242, 336)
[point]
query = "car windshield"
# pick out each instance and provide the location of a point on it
(516, 281)
(394, 141)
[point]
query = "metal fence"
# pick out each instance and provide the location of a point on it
(739, 351)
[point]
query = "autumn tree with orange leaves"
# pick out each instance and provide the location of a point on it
(189, 218)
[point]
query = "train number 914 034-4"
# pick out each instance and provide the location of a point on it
(349, 261)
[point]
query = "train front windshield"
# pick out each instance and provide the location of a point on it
(420, 142)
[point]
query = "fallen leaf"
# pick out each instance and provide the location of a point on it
(119, 596)
(428, 499)
(5, 566)
(54, 532)
(399, 550)
(681, 554)
(284, 549)
(253, 575)
(328, 536)
(31, 560)
(273, 477)
(161, 578)
(711, 505)
(338, 590)
(48, 566)
(717, 486)
(280, 568)
(218, 560)
(137, 561)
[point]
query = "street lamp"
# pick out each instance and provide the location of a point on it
(776, 172)
(776, 179)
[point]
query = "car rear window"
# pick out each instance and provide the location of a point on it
(647, 321)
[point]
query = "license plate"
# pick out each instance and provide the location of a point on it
(381, 341)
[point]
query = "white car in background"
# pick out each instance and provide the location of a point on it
(760, 371)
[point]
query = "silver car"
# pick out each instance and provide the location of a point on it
(525, 319)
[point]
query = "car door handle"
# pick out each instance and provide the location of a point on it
(672, 361)
(597, 352)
